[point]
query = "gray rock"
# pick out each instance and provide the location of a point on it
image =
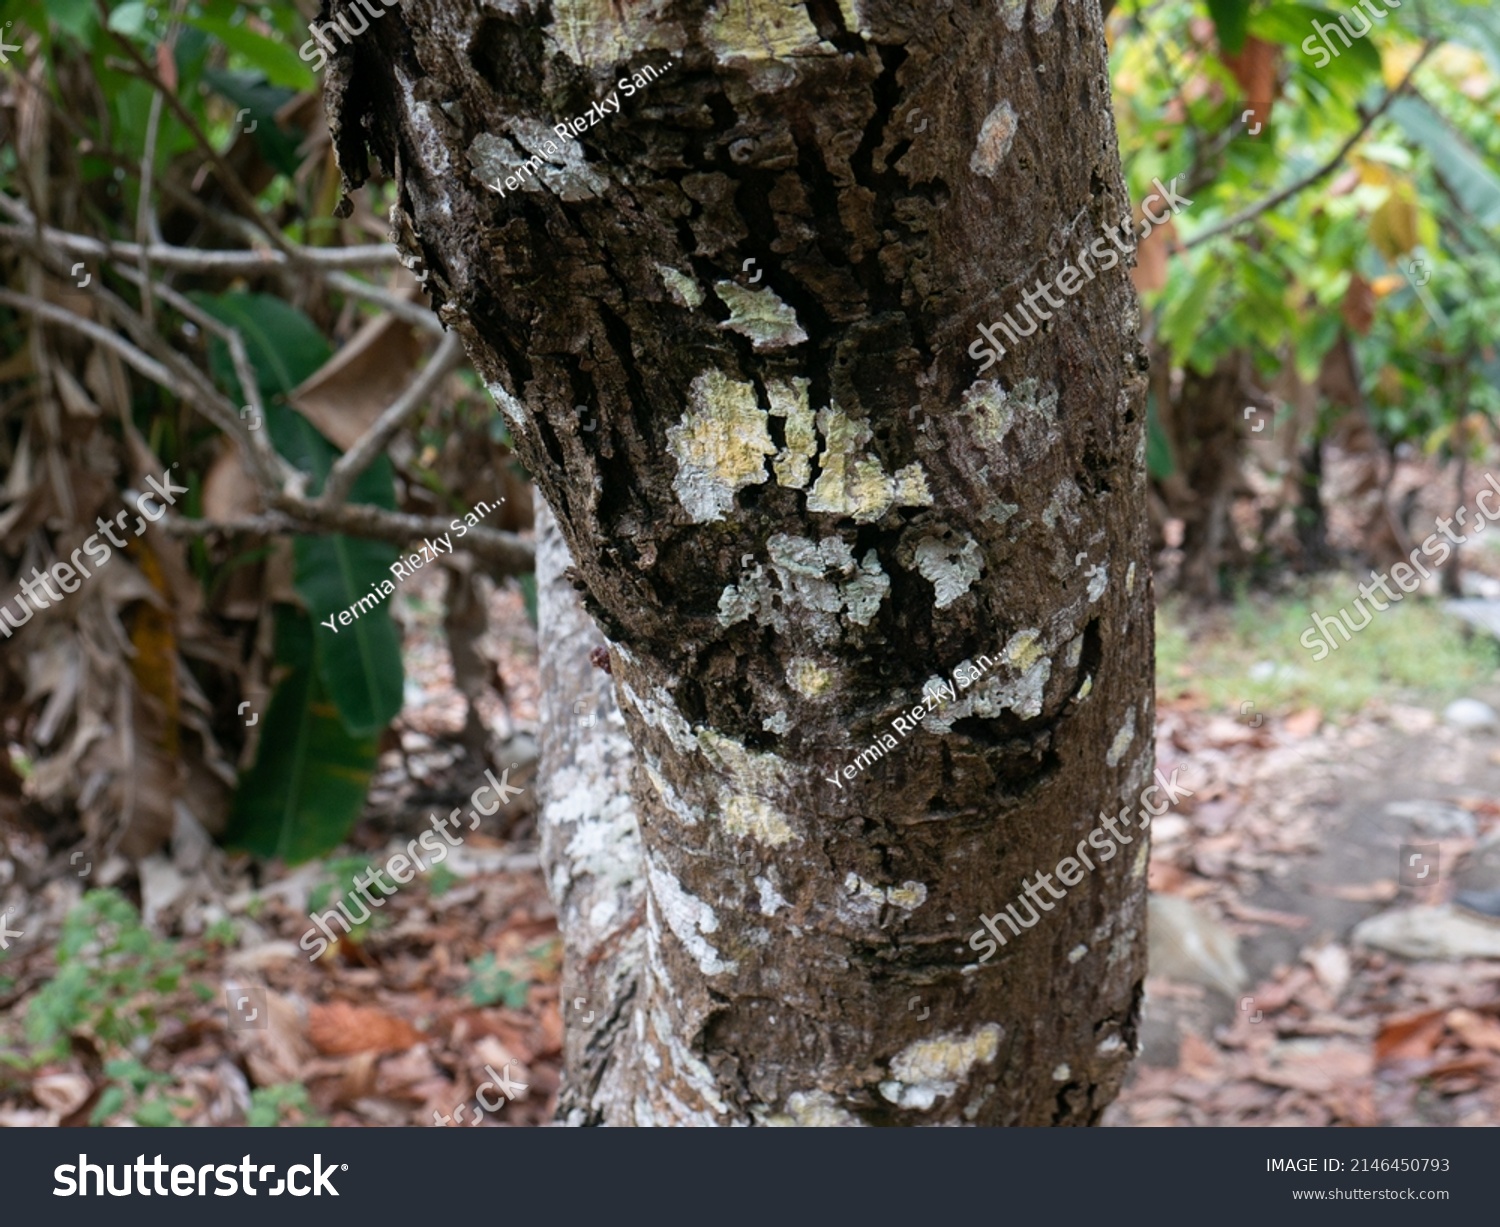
(1470, 714)
(1442, 933)
(1435, 817)
(1185, 943)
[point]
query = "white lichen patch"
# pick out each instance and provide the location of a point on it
(1062, 1073)
(1063, 506)
(1123, 738)
(720, 446)
(684, 290)
(819, 579)
(852, 482)
(813, 1110)
(1021, 693)
(770, 898)
(1041, 14)
(1077, 953)
(759, 315)
(927, 1069)
(659, 711)
(688, 815)
(987, 403)
(1073, 653)
(1098, 580)
(510, 406)
(1130, 578)
(537, 159)
(775, 723)
(995, 136)
(793, 464)
(868, 898)
(1142, 859)
(689, 918)
(1109, 1045)
(808, 678)
(951, 569)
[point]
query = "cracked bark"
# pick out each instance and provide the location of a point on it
(791, 504)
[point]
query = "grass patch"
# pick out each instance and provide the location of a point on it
(1251, 652)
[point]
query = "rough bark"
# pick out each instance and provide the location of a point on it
(792, 503)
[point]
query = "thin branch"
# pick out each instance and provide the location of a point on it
(348, 467)
(189, 259)
(406, 311)
(1299, 185)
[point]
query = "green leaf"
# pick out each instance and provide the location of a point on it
(284, 346)
(1230, 20)
(360, 664)
(129, 19)
(307, 787)
(275, 59)
(251, 93)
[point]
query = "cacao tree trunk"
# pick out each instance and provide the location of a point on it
(727, 313)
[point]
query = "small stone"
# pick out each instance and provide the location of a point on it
(1435, 817)
(1430, 933)
(1470, 714)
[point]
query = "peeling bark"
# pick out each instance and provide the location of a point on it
(728, 323)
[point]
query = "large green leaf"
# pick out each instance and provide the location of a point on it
(308, 784)
(283, 345)
(251, 93)
(1230, 17)
(360, 664)
(1474, 183)
(272, 57)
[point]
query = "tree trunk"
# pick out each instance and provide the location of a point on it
(727, 317)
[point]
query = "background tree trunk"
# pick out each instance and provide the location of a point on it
(728, 324)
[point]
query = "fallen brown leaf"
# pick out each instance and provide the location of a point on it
(339, 1029)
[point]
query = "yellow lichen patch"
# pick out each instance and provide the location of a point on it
(1024, 649)
(793, 464)
(720, 446)
(751, 817)
(760, 30)
(927, 1069)
(808, 679)
(852, 483)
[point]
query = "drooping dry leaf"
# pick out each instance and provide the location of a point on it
(345, 396)
(1412, 1038)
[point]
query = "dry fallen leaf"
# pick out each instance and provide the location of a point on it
(338, 1029)
(1409, 1039)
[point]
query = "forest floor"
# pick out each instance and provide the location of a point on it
(1262, 1006)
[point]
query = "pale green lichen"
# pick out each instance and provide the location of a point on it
(852, 482)
(1013, 13)
(868, 898)
(813, 1110)
(819, 578)
(1123, 738)
(1130, 578)
(544, 162)
(763, 30)
(987, 403)
(925, 1070)
(752, 777)
(683, 288)
(603, 33)
(760, 315)
(720, 446)
(995, 137)
(951, 570)
(793, 464)
(1023, 648)
(1041, 14)
(807, 678)
(1098, 580)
